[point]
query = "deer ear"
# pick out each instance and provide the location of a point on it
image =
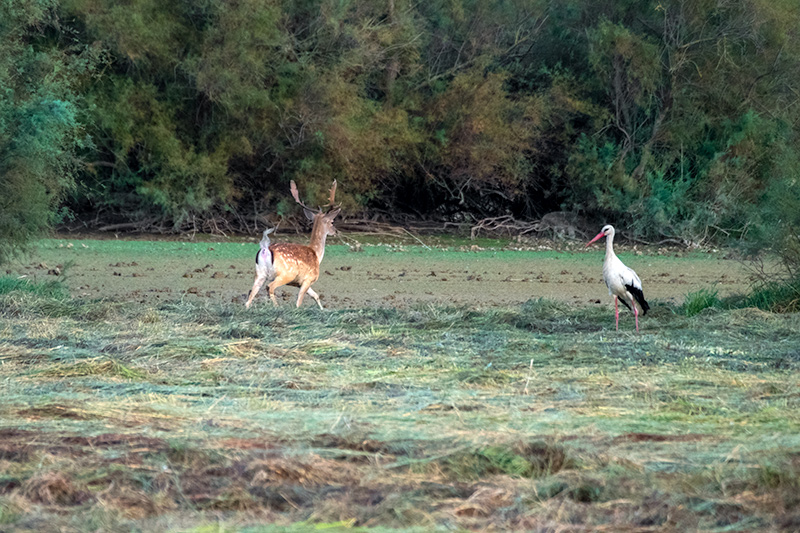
(331, 215)
(309, 213)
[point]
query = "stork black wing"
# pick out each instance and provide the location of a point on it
(639, 297)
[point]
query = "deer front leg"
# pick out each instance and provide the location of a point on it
(314, 295)
(304, 288)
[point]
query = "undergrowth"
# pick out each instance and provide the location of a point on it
(51, 289)
(780, 297)
(776, 297)
(698, 301)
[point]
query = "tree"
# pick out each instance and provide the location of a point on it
(39, 128)
(672, 117)
(697, 96)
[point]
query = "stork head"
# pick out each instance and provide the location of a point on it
(607, 231)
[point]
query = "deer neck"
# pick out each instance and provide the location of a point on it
(318, 237)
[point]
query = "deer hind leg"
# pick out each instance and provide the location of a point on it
(261, 277)
(314, 295)
(278, 282)
(256, 286)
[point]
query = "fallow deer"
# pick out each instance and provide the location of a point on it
(295, 264)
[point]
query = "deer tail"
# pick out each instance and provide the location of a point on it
(265, 242)
(264, 262)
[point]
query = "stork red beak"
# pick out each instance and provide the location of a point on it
(599, 235)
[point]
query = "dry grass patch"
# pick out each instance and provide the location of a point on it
(54, 488)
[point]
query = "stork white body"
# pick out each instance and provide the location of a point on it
(622, 282)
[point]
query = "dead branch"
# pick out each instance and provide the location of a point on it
(502, 225)
(136, 226)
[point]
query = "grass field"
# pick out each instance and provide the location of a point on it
(190, 413)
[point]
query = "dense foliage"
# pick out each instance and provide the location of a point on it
(673, 117)
(39, 130)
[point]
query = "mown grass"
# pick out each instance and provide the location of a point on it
(182, 416)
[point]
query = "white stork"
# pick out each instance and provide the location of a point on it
(622, 282)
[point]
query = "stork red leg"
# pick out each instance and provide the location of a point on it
(616, 312)
(636, 314)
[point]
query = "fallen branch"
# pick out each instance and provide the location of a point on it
(139, 226)
(505, 224)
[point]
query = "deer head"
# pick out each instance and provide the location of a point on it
(318, 216)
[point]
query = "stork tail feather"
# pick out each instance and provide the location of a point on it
(638, 295)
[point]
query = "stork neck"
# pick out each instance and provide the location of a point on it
(610, 246)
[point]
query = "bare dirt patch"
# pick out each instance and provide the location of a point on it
(377, 276)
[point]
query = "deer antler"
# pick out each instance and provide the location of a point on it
(333, 193)
(296, 195)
